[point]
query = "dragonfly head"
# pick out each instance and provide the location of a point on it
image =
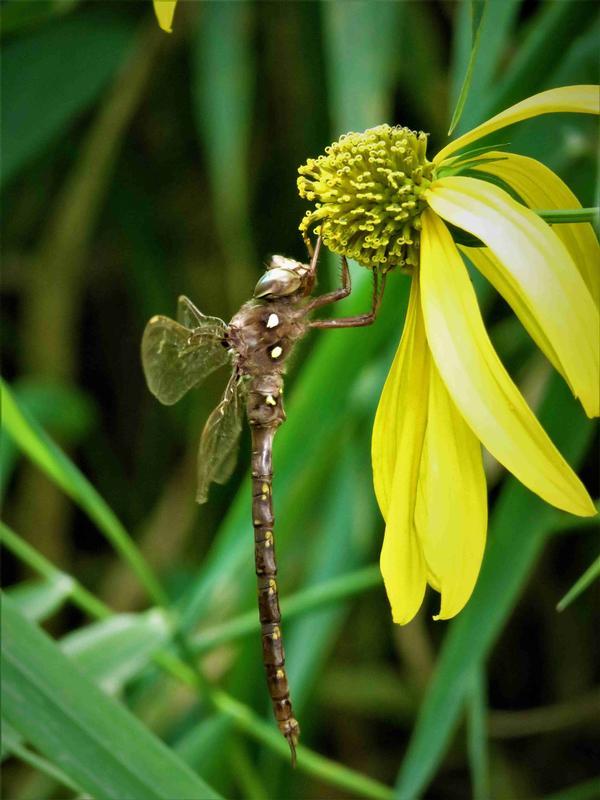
(284, 277)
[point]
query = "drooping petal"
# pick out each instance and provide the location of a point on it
(487, 263)
(164, 10)
(451, 510)
(538, 267)
(540, 188)
(398, 435)
(583, 99)
(479, 385)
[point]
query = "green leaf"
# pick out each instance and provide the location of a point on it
(478, 8)
(519, 527)
(17, 16)
(494, 41)
(551, 30)
(114, 650)
(588, 790)
(93, 739)
(360, 75)
(63, 410)
(588, 577)
(223, 89)
(33, 441)
(12, 744)
(38, 600)
(43, 92)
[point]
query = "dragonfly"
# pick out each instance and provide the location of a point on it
(257, 343)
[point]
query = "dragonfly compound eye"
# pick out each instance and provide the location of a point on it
(278, 282)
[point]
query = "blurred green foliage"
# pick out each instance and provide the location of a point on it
(137, 166)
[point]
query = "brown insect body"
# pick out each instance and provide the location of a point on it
(262, 336)
(259, 339)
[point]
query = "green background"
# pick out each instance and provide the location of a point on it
(137, 166)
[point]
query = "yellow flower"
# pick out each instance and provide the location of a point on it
(380, 201)
(164, 10)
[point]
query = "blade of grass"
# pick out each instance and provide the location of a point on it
(588, 790)
(477, 746)
(496, 26)
(551, 29)
(314, 597)
(477, 12)
(112, 651)
(308, 761)
(243, 717)
(223, 70)
(39, 600)
(360, 75)
(519, 527)
(588, 577)
(14, 745)
(96, 742)
(80, 596)
(34, 442)
(43, 93)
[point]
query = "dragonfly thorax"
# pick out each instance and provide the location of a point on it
(284, 277)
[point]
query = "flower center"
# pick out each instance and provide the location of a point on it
(368, 187)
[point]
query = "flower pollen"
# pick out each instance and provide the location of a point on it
(368, 190)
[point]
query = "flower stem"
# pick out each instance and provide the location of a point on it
(554, 216)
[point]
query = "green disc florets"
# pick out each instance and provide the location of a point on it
(368, 188)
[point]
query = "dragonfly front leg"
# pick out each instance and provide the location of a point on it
(358, 321)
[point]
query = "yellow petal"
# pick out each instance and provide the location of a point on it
(479, 385)
(451, 511)
(405, 386)
(396, 452)
(488, 265)
(540, 188)
(580, 99)
(164, 10)
(538, 267)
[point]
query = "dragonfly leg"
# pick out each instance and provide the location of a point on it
(361, 320)
(337, 294)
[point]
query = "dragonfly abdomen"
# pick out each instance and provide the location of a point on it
(265, 414)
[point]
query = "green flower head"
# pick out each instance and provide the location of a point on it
(368, 190)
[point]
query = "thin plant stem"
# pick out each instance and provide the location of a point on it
(307, 600)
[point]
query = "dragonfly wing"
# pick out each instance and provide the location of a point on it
(175, 357)
(219, 442)
(190, 316)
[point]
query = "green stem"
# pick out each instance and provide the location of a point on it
(41, 764)
(308, 761)
(477, 735)
(558, 215)
(307, 600)
(80, 596)
(590, 575)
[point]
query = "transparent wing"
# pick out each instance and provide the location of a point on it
(190, 315)
(219, 442)
(175, 357)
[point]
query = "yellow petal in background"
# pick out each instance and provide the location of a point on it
(477, 382)
(398, 435)
(538, 267)
(584, 99)
(451, 510)
(540, 188)
(164, 10)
